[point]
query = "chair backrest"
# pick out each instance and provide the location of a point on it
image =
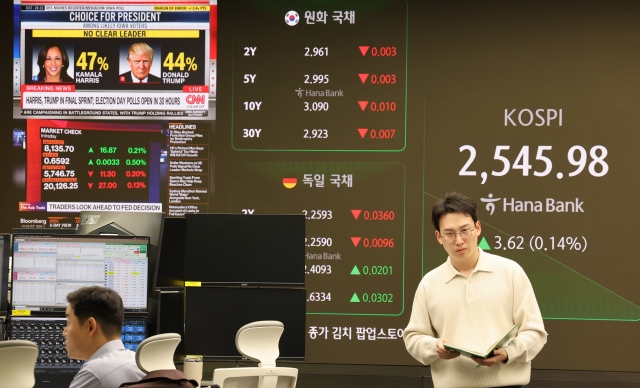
(155, 353)
(258, 341)
(17, 364)
(255, 377)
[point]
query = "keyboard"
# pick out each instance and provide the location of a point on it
(47, 334)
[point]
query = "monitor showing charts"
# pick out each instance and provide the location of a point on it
(116, 223)
(48, 267)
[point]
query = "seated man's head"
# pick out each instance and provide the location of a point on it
(140, 58)
(94, 317)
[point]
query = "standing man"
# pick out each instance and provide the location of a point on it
(94, 325)
(140, 59)
(471, 301)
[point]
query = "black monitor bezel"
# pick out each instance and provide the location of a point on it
(4, 272)
(214, 317)
(170, 265)
(43, 231)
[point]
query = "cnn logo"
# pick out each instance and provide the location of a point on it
(195, 99)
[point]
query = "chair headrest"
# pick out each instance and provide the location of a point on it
(18, 343)
(17, 363)
(156, 352)
(258, 341)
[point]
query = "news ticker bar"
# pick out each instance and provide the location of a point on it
(76, 207)
(107, 100)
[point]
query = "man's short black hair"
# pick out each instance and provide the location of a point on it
(103, 304)
(453, 203)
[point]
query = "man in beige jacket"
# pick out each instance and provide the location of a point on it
(472, 300)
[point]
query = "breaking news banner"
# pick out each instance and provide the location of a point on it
(39, 102)
(78, 61)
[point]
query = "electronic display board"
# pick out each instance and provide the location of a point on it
(359, 115)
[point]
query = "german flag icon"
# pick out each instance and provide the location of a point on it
(289, 183)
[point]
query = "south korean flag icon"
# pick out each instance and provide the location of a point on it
(292, 18)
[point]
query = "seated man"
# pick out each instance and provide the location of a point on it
(94, 324)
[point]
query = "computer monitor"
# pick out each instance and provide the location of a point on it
(214, 315)
(5, 253)
(171, 261)
(48, 267)
(127, 224)
(245, 250)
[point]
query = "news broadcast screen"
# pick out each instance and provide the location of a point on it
(125, 59)
(113, 106)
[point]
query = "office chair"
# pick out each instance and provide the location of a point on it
(257, 341)
(156, 353)
(17, 364)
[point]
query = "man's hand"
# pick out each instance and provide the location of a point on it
(443, 353)
(499, 355)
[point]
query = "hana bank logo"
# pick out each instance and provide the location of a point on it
(548, 205)
(491, 206)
